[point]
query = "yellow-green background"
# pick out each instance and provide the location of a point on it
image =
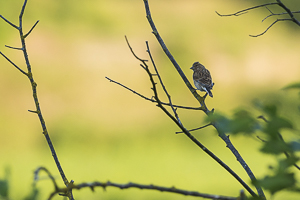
(103, 132)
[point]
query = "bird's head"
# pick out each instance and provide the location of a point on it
(197, 67)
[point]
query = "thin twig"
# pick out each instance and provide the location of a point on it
(36, 176)
(16, 48)
(11, 62)
(277, 14)
(150, 99)
(196, 128)
(31, 29)
(162, 84)
(288, 11)
(277, 20)
(279, 3)
(245, 10)
(9, 22)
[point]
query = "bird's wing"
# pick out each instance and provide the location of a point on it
(203, 77)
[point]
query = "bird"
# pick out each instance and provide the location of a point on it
(202, 78)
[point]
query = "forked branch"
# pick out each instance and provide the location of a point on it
(288, 12)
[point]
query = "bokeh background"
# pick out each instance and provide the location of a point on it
(103, 132)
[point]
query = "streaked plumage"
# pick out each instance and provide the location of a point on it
(202, 78)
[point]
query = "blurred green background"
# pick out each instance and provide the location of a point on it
(103, 132)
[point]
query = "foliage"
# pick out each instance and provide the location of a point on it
(243, 122)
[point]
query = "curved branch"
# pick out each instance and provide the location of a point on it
(277, 20)
(245, 10)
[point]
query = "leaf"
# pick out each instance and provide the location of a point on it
(243, 122)
(292, 86)
(4, 188)
(275, 147)
(286, 163)
(278, 182)
(277, 123)
(221, 122)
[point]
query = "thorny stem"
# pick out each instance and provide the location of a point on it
(34, 90)
(141, 186)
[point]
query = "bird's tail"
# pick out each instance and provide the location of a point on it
(207, 90)
(209, 93)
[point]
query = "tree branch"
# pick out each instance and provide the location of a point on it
(34, 91)
(279, 3)
(288, 11)
(202, 103)
(171, 58)
(245, 10)
(174, 190)
(151, 99)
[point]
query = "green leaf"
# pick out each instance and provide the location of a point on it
(275, 147)
(4, 188)
(286, 163)
(277, 123)
(278, 182)
(292, 86)
(34, 194)
(221, 122)
(243, 122)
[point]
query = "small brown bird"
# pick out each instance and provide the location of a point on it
(202, 78)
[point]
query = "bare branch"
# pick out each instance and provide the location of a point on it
(133, 51)
(9, 22)
(36, 176)
(196, 128)
(142, 186)
(277, 14)
(11, 62)
(162, 84)
(16, 48)
(246, 10)
(277, 20)
(288, 11)
(279, 3)
(150, 99)
(31, 29)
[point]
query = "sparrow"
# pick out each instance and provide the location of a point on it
(202, 78)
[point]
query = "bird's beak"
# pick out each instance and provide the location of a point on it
(191, 68)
